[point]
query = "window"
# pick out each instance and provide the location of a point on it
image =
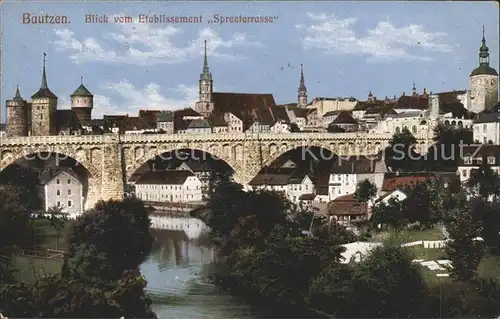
(69, 203)
(479, 160)
(58, 181)
(69, 181)
(58, 203)
(58, 192)
(464, 173)
(484, 128)
(491, 159)
(69, 191)
(467, 160)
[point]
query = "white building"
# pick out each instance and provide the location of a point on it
(280, 127)
(486, 128)
(346, 174)
(202, 170)
(298, 187)
(62, 188)
(234, 123)
(179, 186)
(197, 126)
(292, 187)
(165, 122)
(476, 155)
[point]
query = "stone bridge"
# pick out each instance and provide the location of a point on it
(110, 160)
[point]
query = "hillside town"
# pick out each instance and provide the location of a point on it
(329, 189)
(377, 198)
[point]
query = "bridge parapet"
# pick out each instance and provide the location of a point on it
(58, 139)
(220, 137)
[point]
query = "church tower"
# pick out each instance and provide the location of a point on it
(17, 116)
(483, 90)
(82, 102)
(205, 106)
(43, 108)
(302, 91)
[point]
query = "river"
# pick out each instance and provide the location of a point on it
(178, 289)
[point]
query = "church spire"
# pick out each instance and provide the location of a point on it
(205, 84)
(44, 75)
(205, 60)
(414, 89)
(302, 91)
(205, 75)
(302, 86)
(484, 55)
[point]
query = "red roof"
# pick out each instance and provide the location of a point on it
(346, 205)
(393, 183)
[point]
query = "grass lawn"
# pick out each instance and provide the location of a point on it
(49, 233)
(427, 253)
(30, 269)
(488, 268)
(408, 236)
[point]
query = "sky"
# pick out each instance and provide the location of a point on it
(347, 49)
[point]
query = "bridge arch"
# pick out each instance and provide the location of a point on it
(141, 156)
(340, 148)
(80, 156)
(327, 151)
(79, 161)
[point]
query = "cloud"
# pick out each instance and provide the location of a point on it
(141, 44)
(383, 43)
(125, 98)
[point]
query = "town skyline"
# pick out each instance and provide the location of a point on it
(242, 58)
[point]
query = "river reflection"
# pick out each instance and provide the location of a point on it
(178, 289)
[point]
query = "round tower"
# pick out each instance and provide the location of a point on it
(483, 90)
(17, 116)
(43, 108)
(82, 103)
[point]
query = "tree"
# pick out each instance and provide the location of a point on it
(112, 238)
(55, 297)
(489, 213)
(16, 230)
(400, 154)
(57, 221)
(390, 214)
(365, 190)
(484, 181)
(464, 252)
(387, 284)
(294, 128)
(444, 154)
(332, 291)
(423, 204)
(25, 179)
(223, 206)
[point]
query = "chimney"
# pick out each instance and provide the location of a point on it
(425, 91)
